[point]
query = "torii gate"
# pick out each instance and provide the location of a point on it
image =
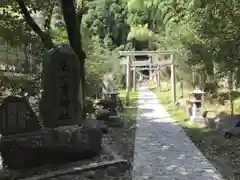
(131, 65)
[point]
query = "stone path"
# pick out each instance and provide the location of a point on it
(162, 149)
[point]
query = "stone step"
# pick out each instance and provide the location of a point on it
(115, 123)
(120, 164)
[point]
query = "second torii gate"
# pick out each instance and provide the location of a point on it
(131, 65)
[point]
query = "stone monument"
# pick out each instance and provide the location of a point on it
(19, 126)
(60, 105)
(17, 117)
(59, 131)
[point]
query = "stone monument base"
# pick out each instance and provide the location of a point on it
(51, 146)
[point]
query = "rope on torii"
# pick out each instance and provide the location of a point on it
(138, 71)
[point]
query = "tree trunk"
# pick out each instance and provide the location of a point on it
(74, 36)
(45, 37)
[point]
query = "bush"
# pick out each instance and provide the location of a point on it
(18, 85)
(210, 87)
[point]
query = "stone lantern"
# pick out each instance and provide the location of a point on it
(113, 101)
(196, 101)
(113, 94)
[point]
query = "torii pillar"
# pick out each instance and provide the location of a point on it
(128, 78)
(128, 74)
(150, 68)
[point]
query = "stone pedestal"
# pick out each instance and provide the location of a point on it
(85, 142)
(58, 144)
(196, 115)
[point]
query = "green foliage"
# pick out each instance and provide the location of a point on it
(100, 59)
(204, 34)
(14, 28)
(107, 18)
(60, 36)
(18, 85)
(140, 33)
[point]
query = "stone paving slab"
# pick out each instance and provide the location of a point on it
(162, 149)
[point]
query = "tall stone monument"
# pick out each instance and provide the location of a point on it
(60, 105)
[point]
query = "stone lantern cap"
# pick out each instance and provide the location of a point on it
(113, 92)
(197, 91)
(197, 95)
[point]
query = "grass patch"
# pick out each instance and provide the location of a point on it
(223, 153)
(164, 85)
(130, 112)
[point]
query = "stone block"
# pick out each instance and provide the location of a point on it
(227, 122)
(229, 125)
(86, 141)
(59, 144)
(17, 117)
(98, 124)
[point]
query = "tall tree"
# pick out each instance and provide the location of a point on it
(108, 19)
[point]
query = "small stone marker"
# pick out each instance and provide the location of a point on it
(17, 117)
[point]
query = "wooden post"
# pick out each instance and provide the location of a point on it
(128, 79)
(134, 79)
(173, 81)
(150, 68)
(181, 86)
(158, 79)
(128, 73)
